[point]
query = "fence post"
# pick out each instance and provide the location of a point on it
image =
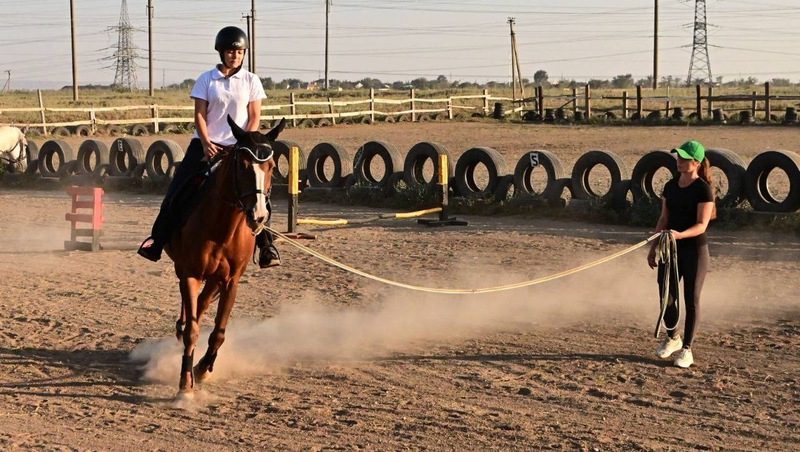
(639, 102)
(767, 104)
(754, 106)
(574, 101)
(710, 100)
(625, 104)
(587, 98)
(540, 100)
(294, 187)
(330, 111)
(93, 119)
(485, 102)
(155, 119)
(669, 105)
(450, 107)
(413, 107)
(293, 109)
(372, 104)
(699, 103)
(41, 112)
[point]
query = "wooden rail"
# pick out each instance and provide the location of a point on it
(414, 107)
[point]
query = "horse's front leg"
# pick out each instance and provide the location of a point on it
(190, 288)
(226, 301)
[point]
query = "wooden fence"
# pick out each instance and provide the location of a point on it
(413, 108)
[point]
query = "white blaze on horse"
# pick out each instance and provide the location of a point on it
(13, 148)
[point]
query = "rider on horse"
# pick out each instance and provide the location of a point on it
(227, 89)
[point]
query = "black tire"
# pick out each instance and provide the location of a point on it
(306, 124)
(51, 151)
(389, 119)
(61, 132)
(140, 130)
(342, 166)
(555, 197)
(415, 161)
(114, 130)
(32, 157)
(619, 195)
(92, 155)
(583, 168)
(323, 122)
(365, 120)
(281, 150)
(464, 174)
(83, 131)
(757, 188)
(125, 154)
(159, 152)
(392, 163)
(392, 186)
(505, 189)
(404, 118)
(423, 117)
(734, 169)
(529, 163)
(643, 172)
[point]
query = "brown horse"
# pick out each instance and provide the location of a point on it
(217, 241)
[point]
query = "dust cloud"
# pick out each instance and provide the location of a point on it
(310, 332)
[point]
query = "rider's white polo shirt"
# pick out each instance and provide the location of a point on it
(226, 96)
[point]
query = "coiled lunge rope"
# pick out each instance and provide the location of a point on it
(667, 254)
(462, 291)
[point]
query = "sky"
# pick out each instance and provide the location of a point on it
(466, 40)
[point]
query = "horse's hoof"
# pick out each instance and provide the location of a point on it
(200, 375)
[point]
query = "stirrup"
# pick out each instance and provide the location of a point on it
(152, 252)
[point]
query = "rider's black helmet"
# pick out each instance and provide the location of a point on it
(231, 38)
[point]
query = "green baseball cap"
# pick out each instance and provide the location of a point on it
(691, 150)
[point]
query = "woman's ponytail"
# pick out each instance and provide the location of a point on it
(705, 173)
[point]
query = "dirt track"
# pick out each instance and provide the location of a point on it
(317, 358)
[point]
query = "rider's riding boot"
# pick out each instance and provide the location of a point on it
(151, 252)
(268, 256)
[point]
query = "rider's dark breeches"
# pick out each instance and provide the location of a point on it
(693, 264)
(190, 166)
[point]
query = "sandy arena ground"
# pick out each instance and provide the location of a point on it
(317, 358)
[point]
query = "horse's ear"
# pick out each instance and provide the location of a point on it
(272, 135)
(238, 132)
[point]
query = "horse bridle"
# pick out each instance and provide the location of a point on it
(257, 157)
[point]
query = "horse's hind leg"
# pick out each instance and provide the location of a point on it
(217, 336)
(189, 291)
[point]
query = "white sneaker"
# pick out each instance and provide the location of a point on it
(684, 358)
(669, 346)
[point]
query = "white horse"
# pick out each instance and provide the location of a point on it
(13, 148)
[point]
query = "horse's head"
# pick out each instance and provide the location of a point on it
(252, 157)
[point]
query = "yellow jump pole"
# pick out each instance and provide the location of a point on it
(444, 189)
(294, 193)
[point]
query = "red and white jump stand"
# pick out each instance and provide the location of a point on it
(87, 207)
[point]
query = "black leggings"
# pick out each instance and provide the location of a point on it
(693, 263)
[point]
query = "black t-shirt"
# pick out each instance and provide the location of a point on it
(682, 207)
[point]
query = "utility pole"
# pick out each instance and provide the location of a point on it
(655, 45)
(247, 18)
(74, 51)
(150, 44)
(253, 35)
(7, 86)
(327, 15)
(516, 73)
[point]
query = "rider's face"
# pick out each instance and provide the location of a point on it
(233, 58)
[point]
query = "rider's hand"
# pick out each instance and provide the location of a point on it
(210, 149)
